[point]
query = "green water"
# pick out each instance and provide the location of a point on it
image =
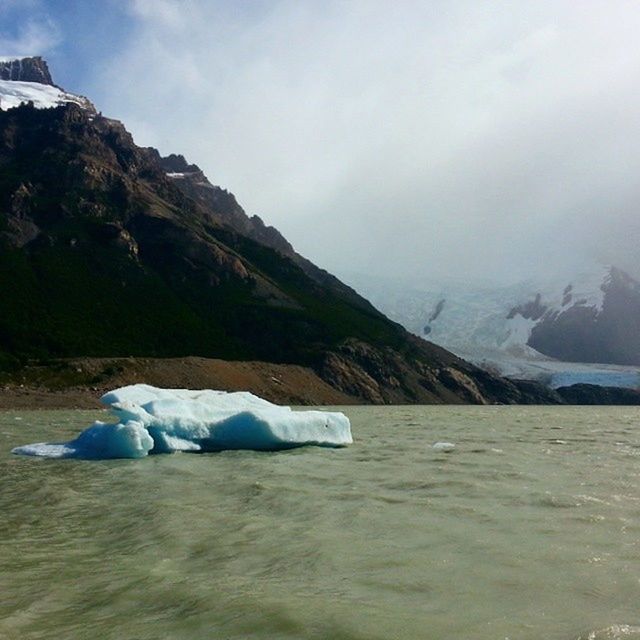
(530, 529)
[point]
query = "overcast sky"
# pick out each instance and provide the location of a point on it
(450, 138)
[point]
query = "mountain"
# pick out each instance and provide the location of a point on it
(110, 250)
(27, 80)
(530, 329)
(33, 69)
(578, 330)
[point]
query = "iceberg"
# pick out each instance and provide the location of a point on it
(153, 420)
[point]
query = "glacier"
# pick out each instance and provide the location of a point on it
(153, 420)
(475, 322)
(14, 93)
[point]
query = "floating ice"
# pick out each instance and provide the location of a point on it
(101, 440)
(153, 420)
(446, 447)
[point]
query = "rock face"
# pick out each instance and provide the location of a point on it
(531, 310)
(190, 179)
(25, 70)
(581, 332)
(108, 249)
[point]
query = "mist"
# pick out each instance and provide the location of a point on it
(465, 140)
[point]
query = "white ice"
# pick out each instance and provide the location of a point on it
(445, 447)
(43, 96)
(153, 420)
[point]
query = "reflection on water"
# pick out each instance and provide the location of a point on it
(529, 529)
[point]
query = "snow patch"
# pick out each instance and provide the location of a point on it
(43, 96)
(518, 334)
(153, 420)
(587, 288)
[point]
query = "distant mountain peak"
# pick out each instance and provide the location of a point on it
(27, 69)
(27, 80)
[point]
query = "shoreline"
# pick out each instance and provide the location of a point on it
(78, 383)
(35, 399)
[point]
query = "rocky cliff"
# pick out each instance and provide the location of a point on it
(33, 69)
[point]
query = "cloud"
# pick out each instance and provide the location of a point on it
(164, 13)
(464, 139)
(34, 32)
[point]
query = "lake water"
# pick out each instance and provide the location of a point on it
(530, 529)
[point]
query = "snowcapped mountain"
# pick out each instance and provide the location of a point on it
(530, 329)
(24, 80)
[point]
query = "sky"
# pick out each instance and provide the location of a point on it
(457, 139)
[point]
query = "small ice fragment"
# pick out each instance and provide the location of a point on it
(445, 447)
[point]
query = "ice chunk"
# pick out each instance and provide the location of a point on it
(446, 447)
(153, 420)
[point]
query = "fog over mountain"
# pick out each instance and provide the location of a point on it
(492, 140)
(458, 139)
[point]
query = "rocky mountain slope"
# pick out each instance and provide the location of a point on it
(108, 249)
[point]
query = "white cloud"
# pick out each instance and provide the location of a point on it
(35, 37)
(165, 13)
(448, 137)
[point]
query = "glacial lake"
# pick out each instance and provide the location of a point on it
(529, 529)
